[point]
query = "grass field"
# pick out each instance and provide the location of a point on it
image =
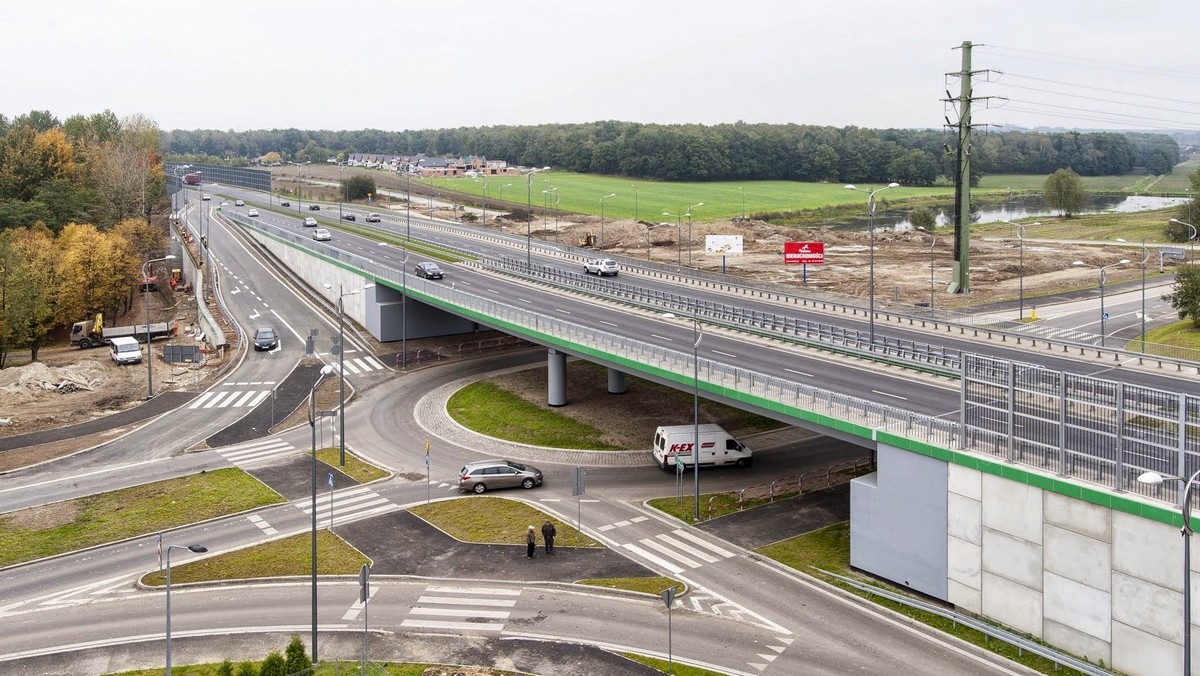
(1176, 182)
(581, 193)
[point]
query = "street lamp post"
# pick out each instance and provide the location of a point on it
(1191, 238)
(932, 245)
(1145, 260)
(404, 310)
(312, 422)
(699, 335)
(871, 229)
(1103, 280)
(298, 165)
(199, 549)
(149, 353)
(635, 206)
(483, 221)
(602, 217)
(341, 187)
(408, 205)
(342, 366)
(1021, 279)
(688, 213)
(529, 215)
(1185, 507)
(743, 191)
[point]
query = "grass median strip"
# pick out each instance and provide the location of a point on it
(66, 526)
(496, 521)
(496, 412)
(359, 470)
(288, 557)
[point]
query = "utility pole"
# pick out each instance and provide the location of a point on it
(960, 281)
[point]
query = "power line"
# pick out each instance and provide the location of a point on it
(1088, 62)
(1090, 98)
(1105, 112)
(1081, 117)
(1102, 89)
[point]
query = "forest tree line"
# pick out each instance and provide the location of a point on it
(723, 152)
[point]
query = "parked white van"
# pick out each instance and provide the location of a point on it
(674, 443)
(125, 350)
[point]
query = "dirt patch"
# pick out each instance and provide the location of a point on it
(50, 516)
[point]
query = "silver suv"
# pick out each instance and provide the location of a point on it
(601, 267)
(484, 474)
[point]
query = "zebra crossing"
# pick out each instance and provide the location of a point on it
(236, 398)
(255, 452)
(345, 506)
(677, 551)
(357, 365)
(462, 608)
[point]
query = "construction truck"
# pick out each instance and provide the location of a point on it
(192, 178)
(92, 332)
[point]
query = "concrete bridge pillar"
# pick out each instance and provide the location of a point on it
(556, 378)
(616, 381)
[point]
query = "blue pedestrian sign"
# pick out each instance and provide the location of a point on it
(331, 480)
(1106, 315)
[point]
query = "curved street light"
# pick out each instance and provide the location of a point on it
(602, 217)
(198, 549)
(1191, 237)
(1185, 507)
(1103, 280)
(150, 353)
(312, 422)
(688, 214)
(1021, 280)
(298, 165)
(871, 229)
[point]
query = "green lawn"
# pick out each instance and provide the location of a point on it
(489, 410)
(60, 527)
(1127, 182)
(722, 200)
(489, 520)
(356, 469)
(289, 557)
(1148, 226)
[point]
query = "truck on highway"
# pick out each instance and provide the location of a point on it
(93, 332)
(675, 446)
(192, 178)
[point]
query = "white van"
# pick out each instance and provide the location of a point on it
(673, 443)
(125, 350)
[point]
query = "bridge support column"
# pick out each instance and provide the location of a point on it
(556, 378)
(616, 381)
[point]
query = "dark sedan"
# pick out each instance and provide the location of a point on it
(348, 217)
(314, 207)
(428, 270)
(265, 338)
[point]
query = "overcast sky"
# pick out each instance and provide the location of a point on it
(393, 65)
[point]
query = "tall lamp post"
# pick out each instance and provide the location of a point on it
(602, 217)
(199, 549)
(743, 191)
(404, 310)
(298, 165)
(483, 221)
(871, 230)
(408, 204)
(149, 353)
(1021, 279)
(1191, 238)
(341, 187)
(698, 332)
(1185, 507)
(342, 367)
(688, 214)
(678, 237)
(529, 214)
(932, 250)
(1103, 280)
(1145, 261)
(312, 422)
(635, 207)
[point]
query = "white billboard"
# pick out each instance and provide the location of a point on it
(723, 244)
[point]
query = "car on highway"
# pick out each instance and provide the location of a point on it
(239, 203)
(265, 338)
(600, 266)
(348, 217)
(285, 204)
(322, 235)
(428, 270)
(310, 222)
(252, 212)
(483, 475)
(314, 207)
(206, 197)
(372, 218)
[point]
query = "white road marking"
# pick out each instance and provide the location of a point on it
(655, 335)
(725, 354)
(889, 394)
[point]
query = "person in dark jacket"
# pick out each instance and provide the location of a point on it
(530, 542)
(548, 534)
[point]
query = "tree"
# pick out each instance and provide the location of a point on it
(273, 665)
(297, 659)
(30, 291)
(271, 158)
(28, 159)
(358, 187)
(923, 218)
(1064, 191)
(1185, 293)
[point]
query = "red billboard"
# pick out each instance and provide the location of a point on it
(807, 253)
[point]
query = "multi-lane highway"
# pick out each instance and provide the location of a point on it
(757, 619)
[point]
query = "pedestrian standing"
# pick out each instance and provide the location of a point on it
(548, 534)
(530, 542)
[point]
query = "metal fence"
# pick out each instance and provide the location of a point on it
(1100, 431)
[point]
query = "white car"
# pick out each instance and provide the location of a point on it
(239, 203)
(252, 212)
(206, 197)
(600, 266)
(322, 235)
(310, 222)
